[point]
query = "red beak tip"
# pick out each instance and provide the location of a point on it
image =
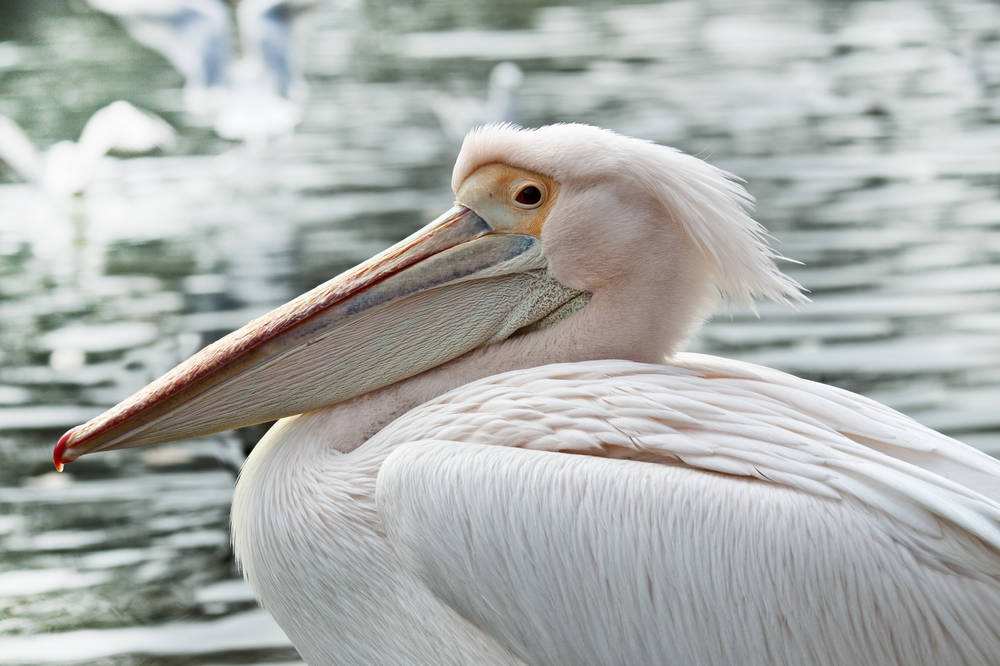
(59, 450)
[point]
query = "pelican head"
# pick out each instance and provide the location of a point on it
(568, 240)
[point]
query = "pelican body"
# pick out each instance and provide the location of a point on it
(492, 451)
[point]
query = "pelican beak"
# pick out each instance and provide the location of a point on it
(455, 285)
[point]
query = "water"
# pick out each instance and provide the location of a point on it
(869, 132)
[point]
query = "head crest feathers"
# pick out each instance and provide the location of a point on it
(710, 205)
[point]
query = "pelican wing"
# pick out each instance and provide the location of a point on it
(17, 150)
(707, 494)
(193, 35)
(586, 560)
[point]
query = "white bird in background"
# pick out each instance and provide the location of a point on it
(251, 97)
(69, 167)
(457, 115)
(493, 451)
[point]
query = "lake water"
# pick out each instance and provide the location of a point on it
(869, 132)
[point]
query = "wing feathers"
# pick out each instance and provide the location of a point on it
(571, 559)
(736, 419)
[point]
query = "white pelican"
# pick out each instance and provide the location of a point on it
(499, 456)
(68, 167)
(254, 96)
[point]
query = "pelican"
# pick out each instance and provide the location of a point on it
(68, 167)
(255, 96)
(492, 451)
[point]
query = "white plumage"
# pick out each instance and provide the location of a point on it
(700, 512)
(710, 205)
(469, 480)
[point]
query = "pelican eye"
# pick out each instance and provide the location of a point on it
(529, 195)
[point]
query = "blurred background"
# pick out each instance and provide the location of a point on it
(269, 146)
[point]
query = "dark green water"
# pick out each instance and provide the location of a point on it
(869, 131)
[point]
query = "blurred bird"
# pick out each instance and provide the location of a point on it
(68, 167)
(457, 115)
(254, 96)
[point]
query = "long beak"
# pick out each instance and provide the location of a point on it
(453, 286)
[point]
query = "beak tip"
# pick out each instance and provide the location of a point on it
(59, 452)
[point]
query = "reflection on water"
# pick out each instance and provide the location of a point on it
(869, 132)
